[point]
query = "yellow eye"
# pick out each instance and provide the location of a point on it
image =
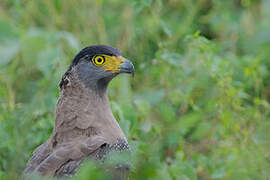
(99, 60)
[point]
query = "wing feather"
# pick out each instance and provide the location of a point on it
(64, 160)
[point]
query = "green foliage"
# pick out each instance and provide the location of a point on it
(198, 107)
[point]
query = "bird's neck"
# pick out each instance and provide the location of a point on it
(80, 107)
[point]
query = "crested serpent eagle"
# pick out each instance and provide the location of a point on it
(84, 123)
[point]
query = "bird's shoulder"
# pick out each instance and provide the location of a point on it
(96, 148)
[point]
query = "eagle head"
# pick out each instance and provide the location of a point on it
(97, 65)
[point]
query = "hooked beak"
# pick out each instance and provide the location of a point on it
(127, 67)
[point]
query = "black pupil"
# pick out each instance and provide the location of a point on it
(99, 60)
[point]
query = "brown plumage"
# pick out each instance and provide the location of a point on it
(84, 123)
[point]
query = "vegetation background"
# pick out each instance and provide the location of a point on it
(198, 107)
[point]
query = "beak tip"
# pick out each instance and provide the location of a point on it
(127, 67)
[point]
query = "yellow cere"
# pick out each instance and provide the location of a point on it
(109, 63)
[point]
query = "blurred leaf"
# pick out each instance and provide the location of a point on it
(46, 60)
(8, 51)
(71, 39)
